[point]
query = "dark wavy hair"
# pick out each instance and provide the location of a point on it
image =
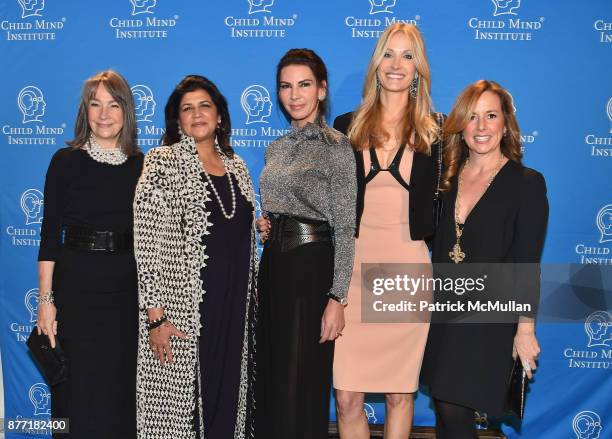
(119, 89)
(192, 83)
(306, 57)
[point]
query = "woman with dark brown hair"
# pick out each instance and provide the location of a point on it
(495, 212)
(86, 268)
(194, 231)
(308, 194)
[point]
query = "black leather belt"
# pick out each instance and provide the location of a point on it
(291, 232)
(83, 238)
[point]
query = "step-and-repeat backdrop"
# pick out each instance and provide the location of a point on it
(554, 56)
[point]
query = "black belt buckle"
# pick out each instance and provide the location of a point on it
(101, 241)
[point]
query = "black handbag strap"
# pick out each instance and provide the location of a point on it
(440, 120)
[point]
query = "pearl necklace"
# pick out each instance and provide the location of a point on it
(109, 156)
(231, 185)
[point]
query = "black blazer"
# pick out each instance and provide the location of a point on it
(423, 181)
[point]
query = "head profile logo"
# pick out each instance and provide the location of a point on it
(598, 327)
(370, 413)
(256, 103)
(506, 7)
(31, 304)
(514, 110)
(142, 6)
(604, 223)
(609, 112)
(256, 6)
(587, 425)
(31, 8)
(32, 202)
(144, 103)
(382, 6)
(31, 103)
(40, 397)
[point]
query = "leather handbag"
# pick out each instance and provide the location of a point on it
(438, 204)
(517, 389)
(52, 362)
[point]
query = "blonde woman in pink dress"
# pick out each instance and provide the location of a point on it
(394, 134)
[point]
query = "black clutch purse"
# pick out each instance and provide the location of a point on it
(517, 389)
(52, 362)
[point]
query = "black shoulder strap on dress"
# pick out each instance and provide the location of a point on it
(393, 166)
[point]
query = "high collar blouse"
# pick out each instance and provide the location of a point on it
(310, 173)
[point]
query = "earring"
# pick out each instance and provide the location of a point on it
(180, 131)
(377, 83)
(321, 98)
(414, 86)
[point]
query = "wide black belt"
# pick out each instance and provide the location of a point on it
(86, 239)
(291, 232)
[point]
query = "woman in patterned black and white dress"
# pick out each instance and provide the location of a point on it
(196, 256)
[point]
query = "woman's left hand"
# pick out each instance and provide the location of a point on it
(526, 346)
(332, 322)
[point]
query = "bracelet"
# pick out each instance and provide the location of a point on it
(341, 300)
(47, 297)
(152, 324)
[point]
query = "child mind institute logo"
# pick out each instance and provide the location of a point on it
(604, 30)
(32, 107)
(40, 397)
(601, 146)
(381, 14)
(587, 425)
(506, 7)
(32, 26)
(142, 22)
(148, 133)
(592, 253)
(143, 6)
(31, 8)
(598, 352)
(260, 22)
(31, 203)
(256, 6)
(31, 103)
(382, 6)
(525, 138)
(256, 103)
(256, 132)
(506, 24)
(23, 328)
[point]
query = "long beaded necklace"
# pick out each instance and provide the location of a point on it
(457, 254)
(109, 156)
(232, 190)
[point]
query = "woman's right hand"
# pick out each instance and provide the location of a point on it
(159, 340)
(46, 323)
(264, 226)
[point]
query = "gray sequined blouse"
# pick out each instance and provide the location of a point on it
(310, 173)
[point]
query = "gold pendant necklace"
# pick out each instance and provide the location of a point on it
(457, 254)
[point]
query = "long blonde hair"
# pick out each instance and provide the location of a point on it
(419, 127)
(456, 149)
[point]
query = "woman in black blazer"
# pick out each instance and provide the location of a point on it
(394, 134)
(495, 212)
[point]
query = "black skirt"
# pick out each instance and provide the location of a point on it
(293, 370)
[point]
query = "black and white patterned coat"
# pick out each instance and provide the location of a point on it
(170, 218)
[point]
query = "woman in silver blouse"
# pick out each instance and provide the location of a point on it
(308, 192)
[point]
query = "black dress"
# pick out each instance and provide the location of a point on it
(222, 310)
(95, 294)
(469, 364)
